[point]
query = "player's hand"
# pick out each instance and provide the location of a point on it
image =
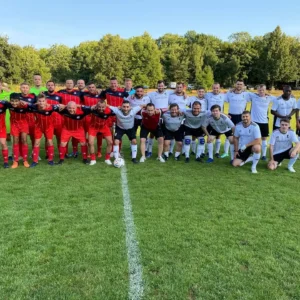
(293, 153)
(93, 107)
(243, 148)
(209, 139)
(235, 154)
(23, 103)
(61, 107)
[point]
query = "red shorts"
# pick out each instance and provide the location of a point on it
(111, 121)
(17, 128)
(78, 134)
(57, 131)
(104, 130)
(38, 133)
(3, 132)
(87, 123)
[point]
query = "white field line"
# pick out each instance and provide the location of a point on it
(136, 286)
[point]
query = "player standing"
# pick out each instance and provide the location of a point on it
(37, 88)
(3, 107)
(81, 85)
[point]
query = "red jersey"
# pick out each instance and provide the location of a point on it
(90, 99)
(31, 99)
(99, 120)
(150, 122)
(75, 121)
(53, 99)
(70, 95)
(114, 98)
(3, 107)
(18, 114)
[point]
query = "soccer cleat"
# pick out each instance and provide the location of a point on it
(99, 155)
(60, 162)
(170, 153)
(193, 153)
(108, 162)
(217, 155)
(254, 171)
(92, 162)
(75, 154)
(10, 158)
(291, 169)
(142, 159)
(68, 156)
(279, 165)
(33, 164)
(51, 163)
(146, 153)
(202, 155)
(177, 158)
(85, 161)
(134, 160)
(5, 166)
(149, 154)
(46, 157)
(15, 165)
(224, 155)
(160, 158)
(26, 164)
(263, 158)
(187, 159)
(231, 161)
(209, 161)
(199, 159)
(165, 157)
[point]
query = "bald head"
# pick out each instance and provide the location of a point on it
(71, 107)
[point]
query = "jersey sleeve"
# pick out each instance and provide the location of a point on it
(295, 104)
(229, 123)
(114, 109)
(275, 105)
(298, 104)
(294, 137)
(272, 139)
(86, 109)
(257, 134)
(226, 97)
(236, 133)
(136, 109)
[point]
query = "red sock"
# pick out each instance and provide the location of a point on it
(107, 156)
(50, 153)
(93, 156)
(75, 145)
(5, 155)
(20, 149)
(99, 142)
(62, 152)
(47, 149)
(84, 150)
(36, 152)
(120, 146)
(16, 148)
(25, 152)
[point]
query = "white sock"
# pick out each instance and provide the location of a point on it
(226, 146)
(256, 157)
(177, 154)
(264, 147)
(292, 161)
(200, 147)
(146, 145)
(231, 151)
(193, 144)
(172, 145)
(210, 148)
(218, 145)
(166, 154)
(187, 145)
(116, 151)
(182, 148)
(133, 151)
(150, 145)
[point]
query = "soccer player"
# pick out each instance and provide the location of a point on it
(260, 102)
(73, 127)
(125, 125)
(150, 124)
(19, 129)
(4, 95)
(99, 124)
(128, 87)
(247, 140)
(218, 124)
(285, 106)
(81, 85)
(3, 107)
(138, 99)
(281, 146)
(37, 88)
(298, 119)
(194, 125)
(173, 129)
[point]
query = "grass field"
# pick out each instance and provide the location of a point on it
(204, 231)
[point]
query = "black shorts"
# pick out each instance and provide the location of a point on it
(235, 118)
(264, 129)
(298, 132)
(137, 124)
(119, 132)
(279, 157)
(243, 155)
(177, 135)
(197, 132)
(157, 132)
(213, 132)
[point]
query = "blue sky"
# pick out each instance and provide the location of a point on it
(43, 23)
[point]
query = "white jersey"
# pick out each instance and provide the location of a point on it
(283, 107)
(172, 123)
(160, 100)
(298, 104)
(193, 99)
(221, 125)
(247, 134)
(260, 107)
(283, 141)
(178, 99)
(213, 99)
(237, 102)
(193, 121)
(125, 121)
(134, 102)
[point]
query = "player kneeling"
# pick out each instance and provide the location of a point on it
(99, 125)
(281, 146)
(150, 124)
(247, 140)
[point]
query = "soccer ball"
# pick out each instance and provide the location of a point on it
(119, 162)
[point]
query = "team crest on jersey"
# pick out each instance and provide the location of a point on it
(0, 110)
(120, 94)
(78, 117)
(47, 113)
(56, 98)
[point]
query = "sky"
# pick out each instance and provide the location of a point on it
(44, 23)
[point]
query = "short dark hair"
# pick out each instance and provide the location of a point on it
(139, 87)
(286, 87)
(150, 104)
(240, 80)
(201, 88)
(24, 83)
(91, 82)
(41, 95)
(215, 106)
(196, 103)
(286, 120)
(70, 79)
(113, 78)
(102, 101)
(174, 105)
(126, 102)
(160, 81)
(14, 96)
(50, 81)
(179, 83)
(246, 112)
(37, 74)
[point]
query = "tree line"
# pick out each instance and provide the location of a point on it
(195, 58)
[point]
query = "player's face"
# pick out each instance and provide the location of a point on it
(139, 93)
(239, 85)
(15, 102)
(201, 93)
(216, 89)
(125, 107)
(287, 92)
(80, 84)
(101, 106)
(113, 84)
(284, 127)
(174, 111)
(216, 113)
(246, 119)
(42, 103)
(24, 89)
(50, 87)
(72, 108)
(196, 109)
(161, 87)
(128, 85)
(261, 91)
(37, 80)
(69, 84)
(92, 89)
(179, 88)
(150, 110)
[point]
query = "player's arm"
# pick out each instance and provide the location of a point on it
(271, 150)
(86, 109)
(274, 110)
(294, 110)
(236, 144)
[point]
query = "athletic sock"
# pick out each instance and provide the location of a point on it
(256, 157)
(62, 152)
(5, 155)
(193, 146)
(226, 146)
(16, 151)
(35, 154)
(107, 156)
(292, 161)
(201, 146)
(172, 145)
(264, 147)
(25, 152)
(84, 151)
(177, 154)
(187, 145)
(50, 153)
(116, 151)
(133, 151)
(75, 145)
(99, 142)
(166, 154)
(210, 148)
(218, 145)
(231, 151)
(93, 156)
(150, 145)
